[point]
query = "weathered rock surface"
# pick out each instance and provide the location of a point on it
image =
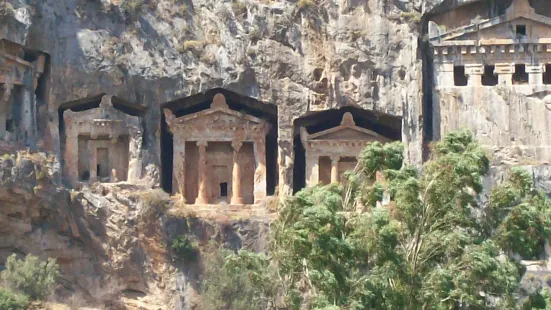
(302, 59)
(112, 242)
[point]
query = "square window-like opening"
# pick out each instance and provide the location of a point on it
(489, 78)
(521, 30)
(520, 76)
(459, 77)
(9, 125)
(224, 189)
(85, 176)
(547, 75)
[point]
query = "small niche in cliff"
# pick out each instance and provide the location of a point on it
(520, 76)
(334, 139)
(211, 112)
(489, 78)
(547, 74)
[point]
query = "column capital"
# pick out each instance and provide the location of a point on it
(7, 92)
(474, 69)
(202, 143)
(236, 144)
(335, 159)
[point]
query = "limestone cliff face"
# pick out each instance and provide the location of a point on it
(301, 56)
(112, 242)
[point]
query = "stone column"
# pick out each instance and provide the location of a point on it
(236, 198)
(93, 162)
(535, 74)
(28, 116)
(179, 166)
(5, 103)
(335, 169)
(260, 172)
(474, 72)
(504, 73)
(444, 75)
(202, 198)
(71, 154)
(312, 170)
(134, 155)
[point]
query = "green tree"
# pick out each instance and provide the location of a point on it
(431, 247)
(396, 237)
(31, 276)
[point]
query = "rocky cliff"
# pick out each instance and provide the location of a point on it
(298, 57)
(301, 57)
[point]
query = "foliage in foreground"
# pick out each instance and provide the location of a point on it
(12, 301)
(31, 277)
(237, 281)
(432, 246)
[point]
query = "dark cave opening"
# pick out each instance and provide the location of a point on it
(386, 125)
(202, 101)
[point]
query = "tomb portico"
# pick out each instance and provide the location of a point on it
(219, 153)
(330, 153)
(491, 70)
(102, 144)
(18, 83)
(511, 49)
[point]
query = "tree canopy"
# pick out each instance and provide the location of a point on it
(408, 239)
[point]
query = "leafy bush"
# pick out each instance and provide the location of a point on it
(31, 276)
(156, 199)
(185, 249)
(12, 301)
(238, 281)
(305, 4)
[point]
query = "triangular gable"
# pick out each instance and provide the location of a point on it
(347, 130)
(219, 111)
(519, 9)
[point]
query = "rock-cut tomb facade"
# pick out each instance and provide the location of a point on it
(332, 152)
(219, 155)
(102, 145)
(492, 75)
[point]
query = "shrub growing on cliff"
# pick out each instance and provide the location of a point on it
(12, 301)
(31, 276)
(185, 249)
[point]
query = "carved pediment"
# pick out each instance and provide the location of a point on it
(503, 27)
(346, 131)
(218, 117)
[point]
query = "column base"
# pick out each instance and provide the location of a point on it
(236, 201)
(201, 201)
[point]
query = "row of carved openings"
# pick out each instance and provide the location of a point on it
(489, 78)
